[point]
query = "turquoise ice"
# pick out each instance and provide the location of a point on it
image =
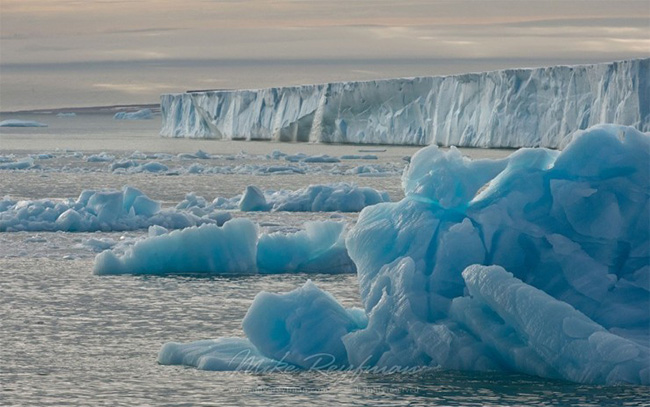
(539, 264)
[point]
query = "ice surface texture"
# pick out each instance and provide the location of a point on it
(234, 248)
(539, 263)
(507, 108)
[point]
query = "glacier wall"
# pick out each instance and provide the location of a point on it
(507, 108)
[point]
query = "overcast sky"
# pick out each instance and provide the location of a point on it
(56, 53)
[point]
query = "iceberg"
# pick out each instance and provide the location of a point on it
(537, 263)
(234, 248)
(205, 249)
(341, 197)
(302, 329)
(539, 107)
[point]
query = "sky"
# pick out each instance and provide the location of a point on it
(69, 53)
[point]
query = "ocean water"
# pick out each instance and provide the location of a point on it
(68, 337)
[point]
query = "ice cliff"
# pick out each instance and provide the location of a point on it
(538, 263)
(507, 108)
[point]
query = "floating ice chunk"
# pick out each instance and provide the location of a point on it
(342, 197)
(137, 155)
(230, 249)
(106, 205)
(153, 166)
(124, 164)
(70, 220)
(143, 114)
(21, 123)
(303, 327)
(145, 206)
(17, 165)
(253, 200)
(156, 230)
(106, 210)
(233, 249)
(295, 157)
(101, 157)
(276, 155)
(223, 354)
(99, 244)
(321, 159)
(66, 115)
(358, 157)
(200, 154)
(327, 198)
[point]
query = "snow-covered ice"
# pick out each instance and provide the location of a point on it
(537, 264)
(507, 108)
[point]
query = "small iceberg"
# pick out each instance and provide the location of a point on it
(234, 248)
(21, 123)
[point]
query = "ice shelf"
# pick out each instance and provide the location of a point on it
(538, 107)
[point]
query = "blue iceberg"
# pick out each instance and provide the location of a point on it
(539, 264)
(234, 248)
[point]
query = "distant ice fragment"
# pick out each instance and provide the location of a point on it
(21, 123)
(143, 114)
(101, 157)
(253, 200)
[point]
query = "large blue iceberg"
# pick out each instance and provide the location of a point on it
(538, 263)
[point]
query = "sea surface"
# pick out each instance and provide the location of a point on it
(68, 337)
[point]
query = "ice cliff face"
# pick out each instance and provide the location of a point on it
(508, 108)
